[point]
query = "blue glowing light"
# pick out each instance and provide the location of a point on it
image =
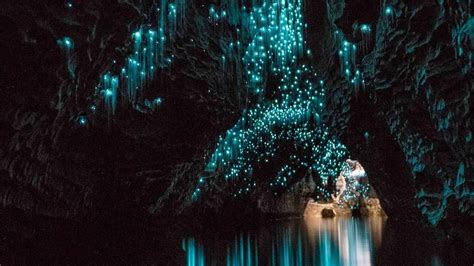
(271, 38)
(268, 42)
(158, 101)
(110, 85)
(365, 28)
(147, 58)
(66, 43)
(82, 120)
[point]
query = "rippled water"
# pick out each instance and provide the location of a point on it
(318, 241)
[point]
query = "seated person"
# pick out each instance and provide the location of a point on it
(340, 188)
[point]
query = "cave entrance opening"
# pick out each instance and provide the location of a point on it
(347, 194)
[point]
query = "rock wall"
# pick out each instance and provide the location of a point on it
(415, 147)
(410, 125)
(91, 178)
(292, 203)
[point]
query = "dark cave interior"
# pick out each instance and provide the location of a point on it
(126, 124)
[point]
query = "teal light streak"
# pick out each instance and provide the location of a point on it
(194, 252)
(270, 37)
(365, 28)
(147, 57)
(67, 45)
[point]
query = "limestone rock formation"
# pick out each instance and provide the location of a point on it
(409, 123)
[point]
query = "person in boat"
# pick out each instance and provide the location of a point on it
(353, 178)
(359, 179)
(340, 188)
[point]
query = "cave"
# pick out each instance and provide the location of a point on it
(236, 132)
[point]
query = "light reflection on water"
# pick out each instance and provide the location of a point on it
(318, 241)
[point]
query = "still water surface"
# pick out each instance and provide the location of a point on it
(318, 241)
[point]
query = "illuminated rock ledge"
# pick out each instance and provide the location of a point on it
(371, 207)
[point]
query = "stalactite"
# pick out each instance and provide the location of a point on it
(271, 43)
(366, 33)
(389, 14)
(348, 59)
(268, 42)
(269, 37)
(148, 56)
(67, 45)
(110, 85)
(254, 141)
